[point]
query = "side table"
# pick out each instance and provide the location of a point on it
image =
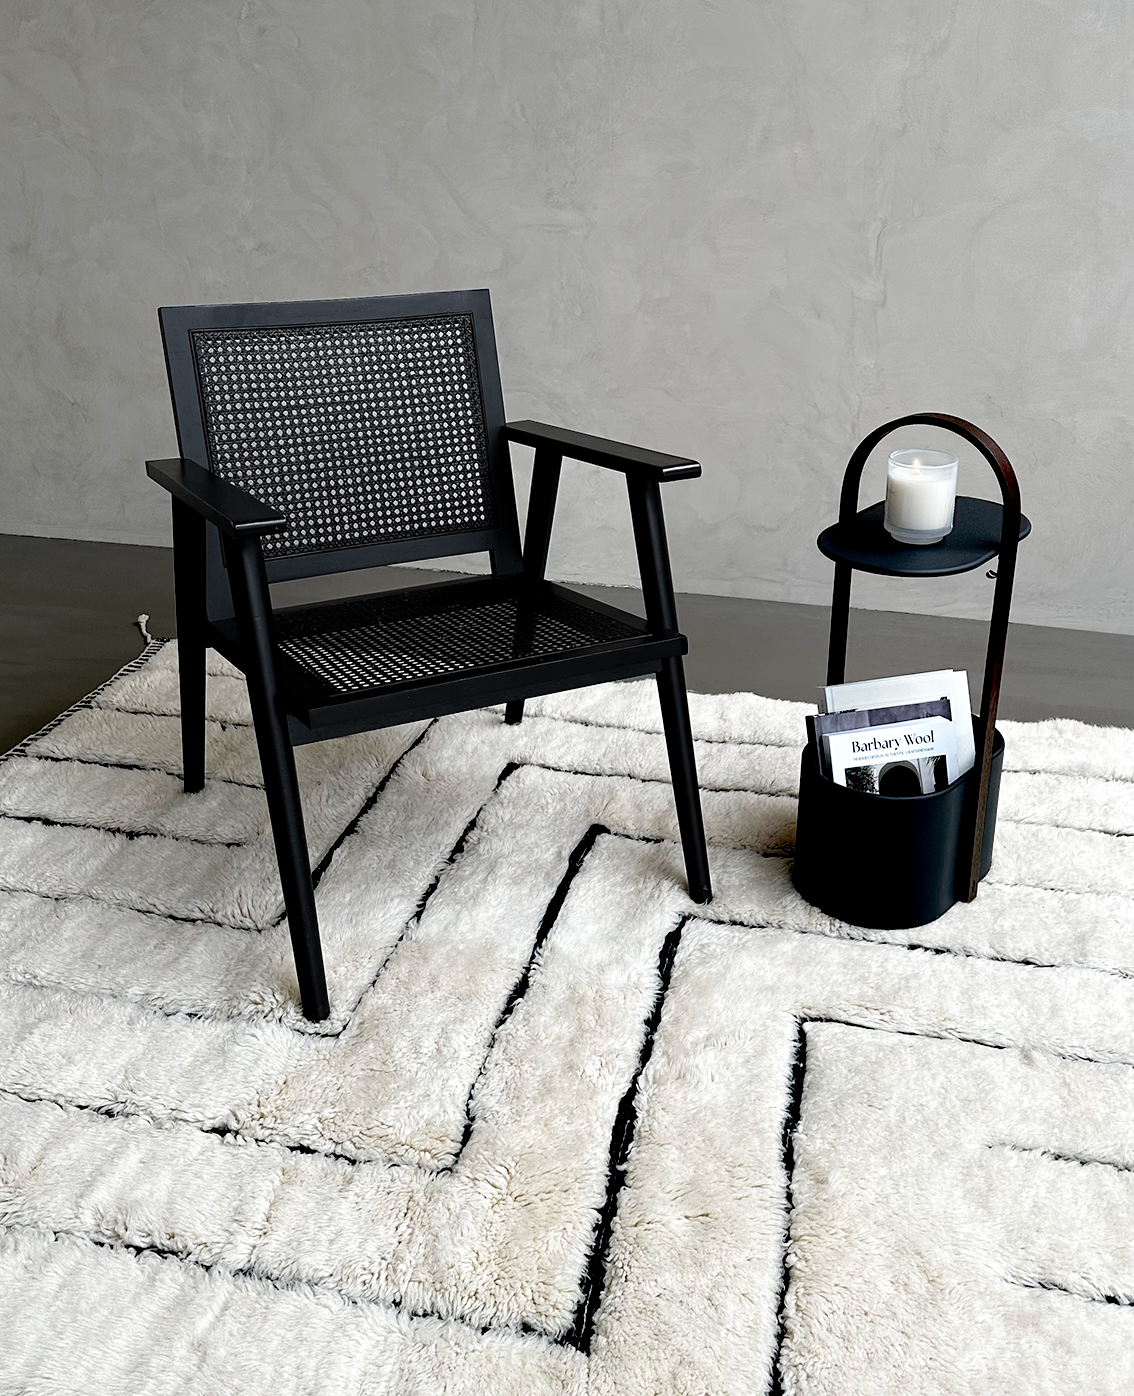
(897, 861)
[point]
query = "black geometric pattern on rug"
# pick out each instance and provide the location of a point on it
(790, 1126)
(580, 1332)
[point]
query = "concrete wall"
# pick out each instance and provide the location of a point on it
(746, 231)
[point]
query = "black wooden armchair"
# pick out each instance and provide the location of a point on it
(323, 436)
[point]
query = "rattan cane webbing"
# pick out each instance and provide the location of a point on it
(360, 433)
(380, 640)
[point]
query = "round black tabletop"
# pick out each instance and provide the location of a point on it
(864, 543)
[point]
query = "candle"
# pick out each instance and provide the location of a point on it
(921, 487)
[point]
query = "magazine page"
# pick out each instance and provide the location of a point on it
(908, 758)
(910, 688)
(822, 724)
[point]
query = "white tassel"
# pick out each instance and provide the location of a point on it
(141, 623)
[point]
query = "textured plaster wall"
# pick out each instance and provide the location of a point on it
(745, 231)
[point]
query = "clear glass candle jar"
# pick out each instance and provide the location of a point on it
(921, 489)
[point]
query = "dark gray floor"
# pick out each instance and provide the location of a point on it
(66, 621)
(67, 612)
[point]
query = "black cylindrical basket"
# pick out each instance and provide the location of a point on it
(889, 861)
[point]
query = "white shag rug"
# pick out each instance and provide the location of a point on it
(565, 1132)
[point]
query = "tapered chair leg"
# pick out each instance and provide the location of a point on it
(277, 760)
(189, 595)
(683, 769)
(281, 786)
(191, 676)
(541, 510)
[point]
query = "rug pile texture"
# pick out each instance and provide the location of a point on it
(564, 1131)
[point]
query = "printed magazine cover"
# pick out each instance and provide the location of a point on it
(910, 688)
(910, 749)
(910, 758)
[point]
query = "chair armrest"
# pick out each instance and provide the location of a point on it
(233, 510)
(632, 461)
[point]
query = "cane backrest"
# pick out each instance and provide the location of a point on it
(370, 424)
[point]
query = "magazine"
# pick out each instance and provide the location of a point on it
(910, 688)
(909, 749)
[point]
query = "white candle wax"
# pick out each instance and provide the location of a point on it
(920, 502)
(921, 487)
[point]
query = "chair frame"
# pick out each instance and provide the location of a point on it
(223, 600)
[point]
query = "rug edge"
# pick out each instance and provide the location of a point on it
(152, 648)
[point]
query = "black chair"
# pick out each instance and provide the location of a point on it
(323, 436)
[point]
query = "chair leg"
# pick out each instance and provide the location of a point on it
(191, 675)
(537, 538)
(683, 768)
(281, 786)
(249, 584)
(189, 595)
